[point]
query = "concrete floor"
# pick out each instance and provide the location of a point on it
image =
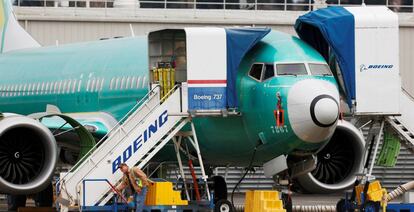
(298, 199)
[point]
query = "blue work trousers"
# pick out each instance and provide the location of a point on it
(140, 199)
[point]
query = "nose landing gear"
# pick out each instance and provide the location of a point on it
(223, 205)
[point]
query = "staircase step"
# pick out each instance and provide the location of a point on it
(116, 146)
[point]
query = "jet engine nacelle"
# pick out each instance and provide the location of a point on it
(28, 155)
(337, 163)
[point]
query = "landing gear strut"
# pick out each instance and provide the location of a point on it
(15, 201)
(223, 205)
(219, 187)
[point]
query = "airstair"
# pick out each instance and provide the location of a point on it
(164, 111)
(401, 124)
(404, 124)
(135, 140)
(369, 73)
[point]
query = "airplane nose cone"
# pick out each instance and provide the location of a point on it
(313, 109)
(324, 110)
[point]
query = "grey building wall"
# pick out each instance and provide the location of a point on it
(407, 57)
(48, 32)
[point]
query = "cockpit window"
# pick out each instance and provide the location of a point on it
(269, 71)
(256, 71)
(319, 69)
(291, 69)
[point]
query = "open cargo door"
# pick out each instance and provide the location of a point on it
(206, 58)
(213, 58)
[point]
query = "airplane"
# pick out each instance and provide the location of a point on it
(92, 85)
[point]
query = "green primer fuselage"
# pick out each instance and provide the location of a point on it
(112, 75)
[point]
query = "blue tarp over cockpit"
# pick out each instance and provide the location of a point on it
(332, 28)
(239, 42)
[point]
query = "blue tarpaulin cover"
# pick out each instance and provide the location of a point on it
(239, 42)
(332, 27)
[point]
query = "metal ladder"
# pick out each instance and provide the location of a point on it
(135, 140)
(404, 124)
(407, 136)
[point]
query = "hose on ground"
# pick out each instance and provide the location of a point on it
(400, 190)
(244, 175)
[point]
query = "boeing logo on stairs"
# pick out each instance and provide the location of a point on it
(364, 67)
(140, 140)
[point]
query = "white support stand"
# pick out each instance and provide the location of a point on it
(226, 172)
(200, 159)
(369, 139)
(192, 138)
(377, 141)
(177, 144)
(374, 133)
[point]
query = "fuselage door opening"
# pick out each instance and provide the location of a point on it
(167, 58)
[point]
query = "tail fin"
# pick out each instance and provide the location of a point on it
(13, 36)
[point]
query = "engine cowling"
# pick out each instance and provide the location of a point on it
(28, 155)
(337, 163)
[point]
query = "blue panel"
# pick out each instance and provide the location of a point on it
(239, 42)
(400, 207)
(332, 27)
(206, 98)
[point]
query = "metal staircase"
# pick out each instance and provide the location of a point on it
(404, 124)
(135, 140)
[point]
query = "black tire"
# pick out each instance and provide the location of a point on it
(223, 205)
(15, 201)
(220, 188)
(45, 197)
(371, 206)
(287, 202)
(343, 206)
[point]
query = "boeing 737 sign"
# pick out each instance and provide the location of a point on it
(207, 95)
(207, 68)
